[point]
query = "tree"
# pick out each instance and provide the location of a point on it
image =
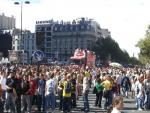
(107, 47)
(144, 45)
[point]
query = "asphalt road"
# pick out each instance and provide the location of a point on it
(129, 106)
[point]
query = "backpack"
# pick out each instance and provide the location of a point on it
(51, 86)
(125, 81)
(68, 87)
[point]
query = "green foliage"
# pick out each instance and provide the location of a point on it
(144, 45)
(107, 48)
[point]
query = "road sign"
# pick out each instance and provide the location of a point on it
(38, 55)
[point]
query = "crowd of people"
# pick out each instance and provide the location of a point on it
(22, 87)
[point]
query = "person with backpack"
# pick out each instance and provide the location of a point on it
(139, 93)
(126, 84)
(73, 91)
(50, 93)
(67, 88)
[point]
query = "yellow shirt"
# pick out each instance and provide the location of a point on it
(107, 85)
(64, 92)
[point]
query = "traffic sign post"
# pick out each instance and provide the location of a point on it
(38, 55)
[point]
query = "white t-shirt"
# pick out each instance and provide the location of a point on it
(115, 111)
(119, 79)
(50, 84)
(3, 82)
(86, 84)
(140, 88)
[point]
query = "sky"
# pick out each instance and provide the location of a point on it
(127, 20)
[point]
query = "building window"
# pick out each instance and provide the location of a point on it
(48, 55)
(88, 27)
(48, 44)
(48, 39)
(48, 33)
(48, 50)
(61, 28)
(71, 28)
(42, 28)
(82, 27)
(48, 28)
(55, 28)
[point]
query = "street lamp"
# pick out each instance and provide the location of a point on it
(21, 3)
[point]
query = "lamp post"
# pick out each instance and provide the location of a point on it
(21, 4)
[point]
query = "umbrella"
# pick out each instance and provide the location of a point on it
(115, 64)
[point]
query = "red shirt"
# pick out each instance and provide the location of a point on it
(33, 87)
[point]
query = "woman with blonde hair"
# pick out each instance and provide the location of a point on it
(117, 105)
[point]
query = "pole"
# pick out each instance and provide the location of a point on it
(85, 59)
(38, 68)
(23, 56)
(21, 20)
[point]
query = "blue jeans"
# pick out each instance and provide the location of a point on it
(41, 102)
(139, 103)
(25, 102)
(50, 98)
(86, 101)
(10, 103)
(108, 99)
(98, 100)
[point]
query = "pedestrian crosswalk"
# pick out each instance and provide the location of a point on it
(129, 105)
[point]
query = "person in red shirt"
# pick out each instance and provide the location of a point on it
(33, 89)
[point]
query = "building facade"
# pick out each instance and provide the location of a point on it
(7, 23)
(6, 26)
(58, 40)
(5, 43)
(105, 33)
(26, 44)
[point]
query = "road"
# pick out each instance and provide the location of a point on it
(129, 106)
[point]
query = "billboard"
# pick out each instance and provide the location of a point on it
(17, 56)
(89, 57)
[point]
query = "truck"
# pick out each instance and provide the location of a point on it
(84, 57)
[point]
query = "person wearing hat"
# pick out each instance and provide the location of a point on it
(67, 88)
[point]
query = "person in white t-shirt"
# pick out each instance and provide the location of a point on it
(117, 104)
(50, 93)
(3, 83)
(139, 92)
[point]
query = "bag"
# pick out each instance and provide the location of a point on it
(94, 90)
(68, 87)
(51, 86)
